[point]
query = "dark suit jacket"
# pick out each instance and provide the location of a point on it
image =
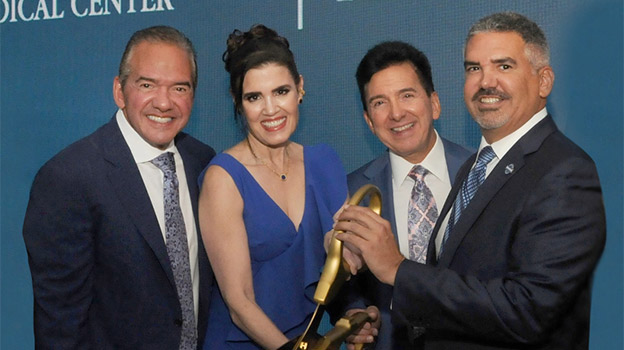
(100, 270)
(516, 270)
(365, 289)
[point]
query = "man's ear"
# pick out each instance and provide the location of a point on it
(435, 105)
(546, 81)
(369, 122)
(118, 93)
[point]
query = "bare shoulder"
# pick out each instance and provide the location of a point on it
(218, 184)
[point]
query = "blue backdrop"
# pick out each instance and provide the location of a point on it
(58, 59)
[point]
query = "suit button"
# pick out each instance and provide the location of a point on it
(177, 322)
(414, 332)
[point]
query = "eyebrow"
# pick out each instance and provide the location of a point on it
(146, 79)
(504, 60)
(407, 89)
(470, 63)
(370, 99)
(152, 80)
(281, 87)
(495, 61)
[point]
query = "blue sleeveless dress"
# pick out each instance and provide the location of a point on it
(285, 262)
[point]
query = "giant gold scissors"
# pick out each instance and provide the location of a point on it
(335, 273)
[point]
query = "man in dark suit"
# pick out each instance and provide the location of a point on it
(400, 105)
(514, 269)
(98, 230)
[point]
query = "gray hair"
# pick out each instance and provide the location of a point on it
(537, 50)
(158, 34)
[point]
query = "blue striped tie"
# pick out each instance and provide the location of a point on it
(468, 189)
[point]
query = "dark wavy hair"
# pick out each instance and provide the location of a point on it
(246, 50)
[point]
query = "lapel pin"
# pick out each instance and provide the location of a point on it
(509, 169)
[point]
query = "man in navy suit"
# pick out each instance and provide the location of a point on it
(400, 105)
(95, 223)
(514, 271)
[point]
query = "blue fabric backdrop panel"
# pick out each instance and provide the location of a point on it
(58, 59)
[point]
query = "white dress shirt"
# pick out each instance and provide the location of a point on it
(437, 179)
(143, 153)
(500, 147)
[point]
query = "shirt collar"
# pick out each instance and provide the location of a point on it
(141, 150)
(401, 167)
(502, 146)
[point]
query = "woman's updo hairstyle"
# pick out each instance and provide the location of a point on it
(252, 49)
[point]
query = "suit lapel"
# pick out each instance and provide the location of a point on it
(462, 173)
(477, 205)
(126, 181)
(191, 169)
(529, 143)
(379, 173)
(455, 158)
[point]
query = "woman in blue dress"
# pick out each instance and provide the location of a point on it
(266, 203)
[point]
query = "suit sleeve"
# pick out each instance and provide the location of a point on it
(557, 236)
(58, 233)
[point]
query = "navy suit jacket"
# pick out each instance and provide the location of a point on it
(100, 270)
(516, 270)
(365, 289)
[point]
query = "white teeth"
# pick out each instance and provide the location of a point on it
(159, 119)
(274, 123)
(489, 99)
(404, 127)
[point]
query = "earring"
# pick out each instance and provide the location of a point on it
(302, 93)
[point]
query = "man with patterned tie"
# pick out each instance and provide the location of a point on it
(114, 249)
(526, 222)
(414, 175)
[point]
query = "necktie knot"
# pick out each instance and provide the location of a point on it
(485, 156)
(165, 162)
(418, 173)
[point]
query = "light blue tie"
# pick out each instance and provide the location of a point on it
(422, 214)
(468, 189)
(177, 249)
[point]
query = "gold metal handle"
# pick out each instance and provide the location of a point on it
(335, 273)
(344, 327)
(337, 270)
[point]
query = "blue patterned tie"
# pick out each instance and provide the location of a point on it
(177, 249)
(422, 214)
(468, 189)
